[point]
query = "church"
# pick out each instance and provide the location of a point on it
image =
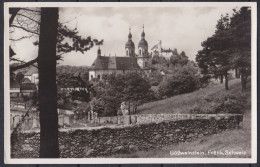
(131, 62)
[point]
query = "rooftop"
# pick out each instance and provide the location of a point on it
(115, 63)
(31, 70)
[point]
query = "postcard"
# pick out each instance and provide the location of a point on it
(131, 82)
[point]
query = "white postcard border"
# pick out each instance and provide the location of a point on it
(7, 155)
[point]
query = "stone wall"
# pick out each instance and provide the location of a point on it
(157, 118)
(106, 141)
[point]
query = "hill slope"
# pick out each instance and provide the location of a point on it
(231, 140)
(183, 103)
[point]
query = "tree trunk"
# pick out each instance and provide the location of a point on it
(243, 80)
(226, 81)
(49, 146)
(237, 73)
(221, 78)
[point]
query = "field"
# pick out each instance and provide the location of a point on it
(235, 140)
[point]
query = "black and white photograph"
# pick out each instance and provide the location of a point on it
(130, 82)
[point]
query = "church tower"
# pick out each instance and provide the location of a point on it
(143, 55)
(130, 46)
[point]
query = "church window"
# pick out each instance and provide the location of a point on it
(98, 76)
(127, 52)
(140, 52)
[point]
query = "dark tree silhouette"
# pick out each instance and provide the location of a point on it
(49, 146)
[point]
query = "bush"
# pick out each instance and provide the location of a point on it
(229, 104)
(26, 98)
(183, 80)
(223, 103)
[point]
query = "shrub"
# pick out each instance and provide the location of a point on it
(183, 80)
(223, 103)
(229, 104)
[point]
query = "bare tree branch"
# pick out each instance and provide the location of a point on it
(28, 18)
(27, 64)
(18, 39)
(25, 29)
(31, 10)
(14, 59)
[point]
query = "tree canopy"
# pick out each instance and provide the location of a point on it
(229, 47)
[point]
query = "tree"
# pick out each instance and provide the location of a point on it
(112, 96)
(51, 38)
(182, 80)
(241, 43)
(229, 48)
(215, 56)
(178, 59)
(28, 20)
(115, 89)
(49, 146)
(137, 90)
(19, 77)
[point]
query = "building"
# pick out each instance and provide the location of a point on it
(157, 50)
(15, 88)
(104, 65)
(32, 75)
(28, 89)
(132, 62)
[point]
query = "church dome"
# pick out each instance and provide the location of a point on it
(129, 44)
(142, 43)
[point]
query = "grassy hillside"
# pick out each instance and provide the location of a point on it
(183, 103)
(229, 140)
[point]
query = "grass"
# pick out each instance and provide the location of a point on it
(182, 104)
(230, 140)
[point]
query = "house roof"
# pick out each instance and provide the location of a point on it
(28, 86)
(166, 50)
(14, 84)
(25, 80)
(31, 70)
(115, 63)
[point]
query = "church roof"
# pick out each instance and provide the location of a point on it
(115, 63)
(129, 44)
(142, 42)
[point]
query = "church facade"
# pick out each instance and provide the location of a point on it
(131, 62)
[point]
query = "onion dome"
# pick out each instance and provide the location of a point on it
(129, 43)
(142, 42)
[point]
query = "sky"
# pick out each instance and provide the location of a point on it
(183, 28)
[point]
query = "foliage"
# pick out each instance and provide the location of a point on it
(241, 49)
(115, 89)
(98, 106)
(220, 103)
(80, 95)
(27, 20)
(155, 78)
(183, 80)
(215, 56)
(19, 76)
(180, 59)
(229, 48)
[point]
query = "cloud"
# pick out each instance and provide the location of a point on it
(181, 28)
